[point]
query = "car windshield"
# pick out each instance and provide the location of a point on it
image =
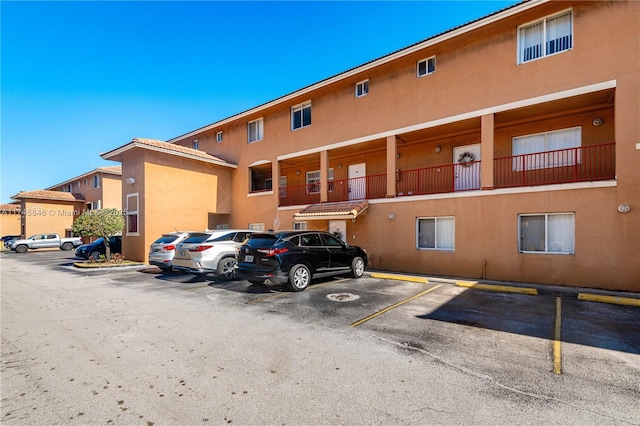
(166, 239)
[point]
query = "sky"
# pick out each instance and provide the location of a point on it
(79, 78)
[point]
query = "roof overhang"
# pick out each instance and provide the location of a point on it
(333, 211)
(170, 149)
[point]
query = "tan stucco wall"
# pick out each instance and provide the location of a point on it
(9, 223)
(45, 216)
(111, 186)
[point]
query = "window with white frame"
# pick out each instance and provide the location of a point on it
(219, 137)
(435, 233)
(255, 130)
(85, 182)
(300, 226)
(132, 213)
(96, 181)
(301, 116)
(362, 88)
(194, 144)
(426, 66)
(545, 150)
(313, 181)
(95, 205)
(256, 227)
(547, 233)
(545, 37)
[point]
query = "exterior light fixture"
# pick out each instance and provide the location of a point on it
(597, 121)
(130, 180)
(624, 208)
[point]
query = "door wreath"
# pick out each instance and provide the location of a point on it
(465, 158)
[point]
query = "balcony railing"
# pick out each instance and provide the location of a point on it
(367, 187)
(589, 163)
(438, 179)
(299, 194)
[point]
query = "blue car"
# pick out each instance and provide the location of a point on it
(97, 248)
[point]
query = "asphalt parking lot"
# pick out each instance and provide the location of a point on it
(549, 344)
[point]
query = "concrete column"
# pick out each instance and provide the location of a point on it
(392, 152)
(324, 176)
(486, 151)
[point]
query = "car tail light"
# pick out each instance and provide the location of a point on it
(200, 248)
(169, 248)
(273, 252)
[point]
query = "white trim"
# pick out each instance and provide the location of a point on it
(258, 194)
(259, 163)
(426, 61)
(464, 116)
(373, 64)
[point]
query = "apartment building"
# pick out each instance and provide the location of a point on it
(506, 149)
(54, 209)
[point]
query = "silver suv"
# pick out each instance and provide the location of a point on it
(202, 253)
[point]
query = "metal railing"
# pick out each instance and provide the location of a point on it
(439, 179)
(588, 163)
(368, 187)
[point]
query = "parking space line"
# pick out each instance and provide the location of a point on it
(557, 352)
(285, 293)
(387, 309)
(609, 299)
(507, 289)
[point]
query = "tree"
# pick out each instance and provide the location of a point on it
(100, 223)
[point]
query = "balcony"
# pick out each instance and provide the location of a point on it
(589, 163)
(439, 179)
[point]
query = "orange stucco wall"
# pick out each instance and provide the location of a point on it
(111, 195)
(174, 194)
(47, 216)
(9, 223)
(476, 73)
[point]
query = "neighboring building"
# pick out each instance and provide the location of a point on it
(55, 208)
(507, 149)
(9, 219)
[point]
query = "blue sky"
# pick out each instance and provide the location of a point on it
(82, 78)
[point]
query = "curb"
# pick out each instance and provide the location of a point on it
(83, 265)
(629, 301)
(502, 288)
(400, 277)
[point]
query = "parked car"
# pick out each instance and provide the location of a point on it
(6, 240)
(97, 248)
(44, 241)
(207, 252)
(163, 250)
(296, 257)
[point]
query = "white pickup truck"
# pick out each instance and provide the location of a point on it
(45, 241)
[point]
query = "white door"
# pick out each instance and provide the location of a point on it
(466, 167)
(338, 228)
(357, 181)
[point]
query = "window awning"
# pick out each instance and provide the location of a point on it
(333, 211)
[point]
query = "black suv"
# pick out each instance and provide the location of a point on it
(95, 249)
(295, 257)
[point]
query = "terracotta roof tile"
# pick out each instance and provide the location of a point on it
(49, 195)
(345, 210)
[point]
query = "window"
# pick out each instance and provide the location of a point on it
(426, 66)
(549, 149)
(301, 116)
(85, 182)
(362, 88)
(545, 37)
(219, 137)
(547, 233)
(96, 181)
(313, 181)
(435, 233)
(261, 178)
(257, 227)
(300, 226)
(194, 144)
(78, 184)
(255, 130)
(283, 186)
(132, 214)
(95, 205)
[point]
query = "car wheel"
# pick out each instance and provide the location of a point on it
(226, 268)
(299, 278)
(21, 249)
(94, 255)
(67, 246)
(357, 267)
